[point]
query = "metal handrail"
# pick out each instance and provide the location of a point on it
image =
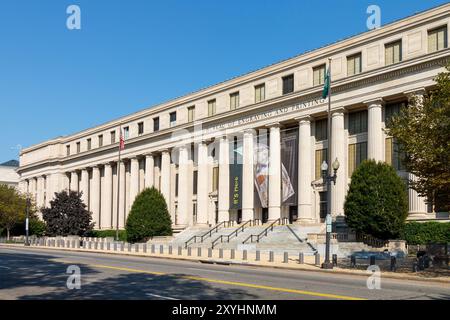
(235, 232)
(264, 232)
(208, 233)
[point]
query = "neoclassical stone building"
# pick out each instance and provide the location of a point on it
(251, 147)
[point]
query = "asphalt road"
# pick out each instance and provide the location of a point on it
(30, 273)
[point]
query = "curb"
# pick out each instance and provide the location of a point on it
(400, 276)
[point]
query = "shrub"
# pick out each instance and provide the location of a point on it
(426, 233)
(67, 215)
(376, 203)
(109, 234)
(37, 227)
(148, 217)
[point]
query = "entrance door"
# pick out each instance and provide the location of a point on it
(239, 216)
(293, 214)
(265, 215)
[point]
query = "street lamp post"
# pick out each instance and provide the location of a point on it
(27, 220)
(328, 178)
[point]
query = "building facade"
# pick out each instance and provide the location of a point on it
(251, 148)
(8, 173)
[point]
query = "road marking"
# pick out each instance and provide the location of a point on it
(240, 284)
(209, 270)
(162, 297)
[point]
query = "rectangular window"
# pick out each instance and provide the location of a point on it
(89, 144)
(126, 132)
(260, 93)
(393, 155)
(78, 147)
(319, 75)
(392, 109)
(393, 52)
(357, 122)
(215, 181)
(194, 183)
(321, 156)
(100, 141)
(140, 128)
(113, 137)
(211, 107)
(67, 150)
(156, 124)
(234, 100)
(323, 204)
(191, 113)
(354, 64)
(288, 84)
(173, 118)
(321, 130)
(437, 39)
(357, 153)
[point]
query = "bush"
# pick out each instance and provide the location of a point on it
(376, 203)
(37, 227)
(108, 234)
(67, 215)
(148, 217)
(426, 233)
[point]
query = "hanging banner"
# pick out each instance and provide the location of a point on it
(289, 164)
(261, 174)
(235, 170)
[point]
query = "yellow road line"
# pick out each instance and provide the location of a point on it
(234, 283)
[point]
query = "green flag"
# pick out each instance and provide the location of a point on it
(326, 87)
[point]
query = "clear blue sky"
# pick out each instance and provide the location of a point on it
(130, 55)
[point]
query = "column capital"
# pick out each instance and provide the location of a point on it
(149, 154)
(304, 119)
(249, 131)
(273, 125)
(165, 150)
(338, 111)
(377, 102)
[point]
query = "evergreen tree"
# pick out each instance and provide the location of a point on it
(377, 202)
(148, 217)
(67, 215)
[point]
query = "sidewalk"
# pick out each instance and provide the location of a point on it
(232, 257)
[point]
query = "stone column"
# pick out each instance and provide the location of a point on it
(107, 192)
(375, 141)
(184, 214)
(95, 194)
(66, 181)
(202, 184)
(32, 189)
(74, 181)
(84, 188)
(149, 170)
(122, 193)
(247, 177)
(338, 147)
(40, 192)
(134, 179)
(275, 173)
(165, 178)
(224, 180)
(417, 204)
(305, 151)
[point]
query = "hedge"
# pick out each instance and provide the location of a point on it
(426, 233)
(109, 234)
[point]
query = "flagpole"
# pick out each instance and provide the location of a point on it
(118, 184)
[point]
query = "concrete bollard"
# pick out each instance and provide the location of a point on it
(115, 246)
(221, 253)
(73, 243)
(108, 246)
(96, 245)
(102, 246)
(153, 248)
(170, 250)
(271, 256)
(161, 249)
(122, 247)
(317, 259)
(136, 248)
(232, 254)
(144, 248)
(209, 253)
(129, 247)
(180, 251)
(63, 245)
(57, 243)
(258, 255)
(199, 252)
(286, 257)
(89, 245)
(244, 255)
(189, 251)
(301, 258)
